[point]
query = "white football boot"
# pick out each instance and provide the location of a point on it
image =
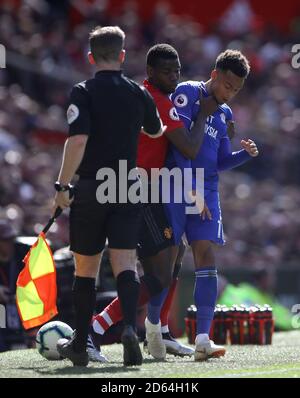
(175, 348)
(156, 346)
(206, 349)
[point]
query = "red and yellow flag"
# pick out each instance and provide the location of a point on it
(36, 286)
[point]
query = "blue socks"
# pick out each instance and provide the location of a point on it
(205, 296)
(154, 306)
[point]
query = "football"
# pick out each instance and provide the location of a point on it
(48, 336)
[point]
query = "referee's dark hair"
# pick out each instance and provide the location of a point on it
(234, 61)
(106, 43)
(159, 52)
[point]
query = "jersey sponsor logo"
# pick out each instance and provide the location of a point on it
(211, 131)
(223, 117)
(181, 100)
(173, 114)
(72, 113)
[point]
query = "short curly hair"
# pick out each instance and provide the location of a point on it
(159, 52)
(234, 61)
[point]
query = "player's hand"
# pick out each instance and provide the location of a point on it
(250, 147)
(205, 212)
(230, 129)
(208, 106)
(201, 205)
(62, 200)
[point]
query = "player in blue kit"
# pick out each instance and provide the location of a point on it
(227, 79)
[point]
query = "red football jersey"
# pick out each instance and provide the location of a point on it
(152, 152)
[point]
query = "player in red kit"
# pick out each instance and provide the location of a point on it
(158, 253)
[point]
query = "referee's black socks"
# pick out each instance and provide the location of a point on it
(150, 286)
(128, 287)
(84, 295)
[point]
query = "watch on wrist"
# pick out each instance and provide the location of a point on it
(62, 188)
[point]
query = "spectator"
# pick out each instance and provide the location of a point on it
(46, 57)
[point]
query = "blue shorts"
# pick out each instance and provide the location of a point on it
(198, 229)
(192, 224)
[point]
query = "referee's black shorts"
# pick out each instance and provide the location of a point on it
(156, 232)
(91, 222)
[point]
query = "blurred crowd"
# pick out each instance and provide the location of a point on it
(46, 52)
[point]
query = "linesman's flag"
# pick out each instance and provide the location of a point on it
(36, 284)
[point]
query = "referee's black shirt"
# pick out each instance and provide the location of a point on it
(110, 109)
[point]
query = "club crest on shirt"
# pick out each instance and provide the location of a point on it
(173, 114)
(181, 100)
(223, 117)
(72, 113)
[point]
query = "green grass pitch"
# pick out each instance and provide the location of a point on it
(280, 360)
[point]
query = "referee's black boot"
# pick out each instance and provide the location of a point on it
(132, 353)
(66, 350)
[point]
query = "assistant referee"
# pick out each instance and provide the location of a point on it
(105, 117)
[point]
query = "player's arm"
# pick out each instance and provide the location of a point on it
(153, 125)
(230, 129)
(187, 142)
(79, 128)
(228, 160)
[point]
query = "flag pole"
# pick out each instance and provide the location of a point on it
(57, 213)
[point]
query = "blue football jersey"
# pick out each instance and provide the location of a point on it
(186, 100)
(214, 155)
